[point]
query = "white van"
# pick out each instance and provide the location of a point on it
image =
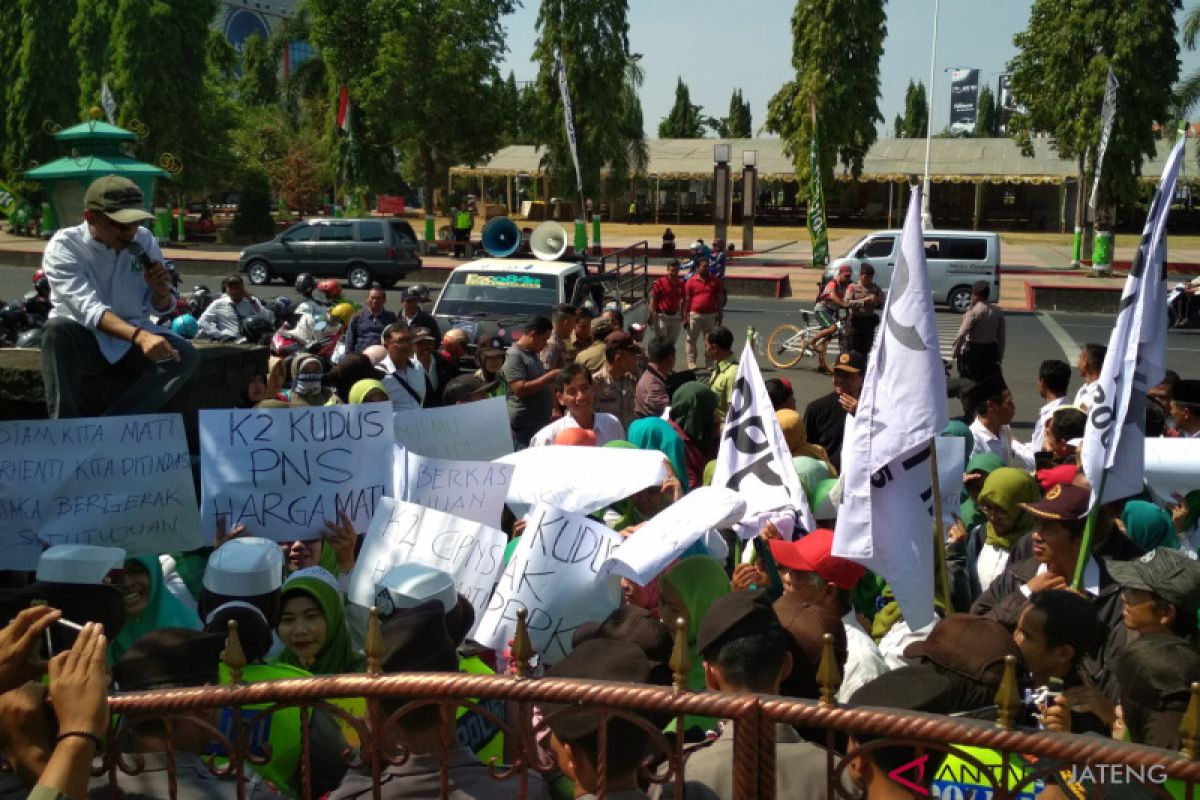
(956, 260)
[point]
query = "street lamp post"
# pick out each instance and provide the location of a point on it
(721, 187)
(749, 193)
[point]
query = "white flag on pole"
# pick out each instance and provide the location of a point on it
(1115, 437)
(109, 102)
(885, 521)
(569, 119)
(1108, 114)
(754, 459)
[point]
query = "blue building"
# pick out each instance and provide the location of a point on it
(240, 19)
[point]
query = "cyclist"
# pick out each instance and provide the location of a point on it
(830, 302)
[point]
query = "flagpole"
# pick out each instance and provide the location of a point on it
(1089, 527)
(941, 575)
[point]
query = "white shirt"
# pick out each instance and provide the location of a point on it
(1087, 395)
(898, 638)
(991, 563)
(1044, 414)
(1013, 454)
(606, 427)
(1091, 578)
(413, 375)
(87, 279)
(864, 663)
(223, 318)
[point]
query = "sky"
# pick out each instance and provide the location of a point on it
(679, 38)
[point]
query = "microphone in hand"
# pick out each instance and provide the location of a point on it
(141, 260)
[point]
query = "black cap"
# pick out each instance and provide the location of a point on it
(461, 388)
(1163, 571)
(851, 361)
(170, 657)
(733, 616)
(633, 624)
(595, 659)
(908, 688)
(416, 640)
(1187, 393)
(254, 632)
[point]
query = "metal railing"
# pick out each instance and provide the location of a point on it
(753, 716)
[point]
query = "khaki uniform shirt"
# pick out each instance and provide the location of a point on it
(616, 396)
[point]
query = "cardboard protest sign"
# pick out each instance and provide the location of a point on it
(556, 576)
(477, 431)
(283, 472)
(581, 479)
(473, 490)
(405, 532)
(647, 552)
(113, 481)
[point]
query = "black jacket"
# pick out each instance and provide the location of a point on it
(825, 424)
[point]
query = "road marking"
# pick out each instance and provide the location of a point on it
(1069, 347)
(947, 325)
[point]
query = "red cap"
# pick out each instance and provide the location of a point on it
(812, 554)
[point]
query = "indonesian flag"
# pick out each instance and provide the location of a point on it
(343, 115)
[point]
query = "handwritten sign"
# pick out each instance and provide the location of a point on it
(113, 481)
(648, 551)
(581, 480)
(556, 576)
(402, 533)
(284, 472)
(473, 490)
(477, 431)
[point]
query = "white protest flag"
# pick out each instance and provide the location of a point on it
(581, 479)
(109, 103)
(1115, 438)
(885, 521)
(555, 575)
(754, 459)
(402, 533)
(560, 69)
(1108, 115)
(665, 536)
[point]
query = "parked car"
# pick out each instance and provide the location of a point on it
(363, 251)
(956, 260)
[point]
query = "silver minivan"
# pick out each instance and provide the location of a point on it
(956, 260)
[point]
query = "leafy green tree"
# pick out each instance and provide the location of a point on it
(253, 216)
(898, 127)
(836, 49)
(739, 124)
(987, 121)
(509, 97)
(916, 112)
(90, 32)
(259, 85)
(1187, 93)
(685, 120)
(1060, 70)
(593, 39)
(11, 36)
(44, 85)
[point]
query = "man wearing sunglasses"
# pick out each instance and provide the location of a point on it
(103, 299)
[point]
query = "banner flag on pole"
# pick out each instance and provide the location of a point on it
(569, 119)
(1108, 113)
(109, 103)
(343, 114)
(1115, 437)
(886, 518)
(754, 459)
(817, 230)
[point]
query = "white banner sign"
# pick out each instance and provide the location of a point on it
(112, 481)
(284, 472)
(648, 551)
(951, 465)
(476, 431)
(402, 532)
(556, 576)
(473, 490)
(1172, 467)
(582, 479)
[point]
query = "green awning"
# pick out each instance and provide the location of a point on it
(94, 166)
(96, 131)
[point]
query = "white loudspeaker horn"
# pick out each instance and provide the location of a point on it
(548, 241)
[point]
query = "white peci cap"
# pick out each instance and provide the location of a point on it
(79, 563)
(245, 567)
(409, 585)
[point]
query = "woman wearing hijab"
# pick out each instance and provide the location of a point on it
(694, 416)
(312, 625)
(149, 605)
(308, 389)
(655, 433)
(687, 590)
(1149, 525)
(367, 390)
(792, 425)
(1006, 523)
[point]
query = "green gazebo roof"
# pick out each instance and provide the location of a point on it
(97, 131)
(93, 166)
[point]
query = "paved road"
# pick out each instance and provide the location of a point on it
(1032, 338)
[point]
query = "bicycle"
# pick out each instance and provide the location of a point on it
(788, 343)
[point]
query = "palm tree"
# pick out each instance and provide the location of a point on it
(1187, 92)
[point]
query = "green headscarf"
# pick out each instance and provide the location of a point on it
(360, 388)
(696, 582)
(987, 463)
(810, 471)
(694, 409)
(1149, 525)
(655, 433)
(1007, 488)
(710, 469)
(163, 610)
(337, 656)
(624, 507)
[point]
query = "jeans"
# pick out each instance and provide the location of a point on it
(71, 354)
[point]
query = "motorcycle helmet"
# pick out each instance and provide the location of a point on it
(38, 275)
(41, 284)
(421, 292)
(30, 338)
(305, 283)
(284, 343)
(185, 326)
(282, 306)
(343, 312)
(257, 330)
(330, 288)
(200, 300)
(12, 317)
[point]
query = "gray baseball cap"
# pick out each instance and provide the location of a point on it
(1163, 571)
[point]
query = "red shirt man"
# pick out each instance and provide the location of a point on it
(703, 294)
(666, 295)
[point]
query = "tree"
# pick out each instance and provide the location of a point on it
(987, 121)
(1059, 74)
(253, 216)
(44, 85)
(1188, 90)
(90, 33)
(898, 127)
(684, 120)
(836, 49)
(259, 85)
(592, 37)
(916, 112)
(739, 124)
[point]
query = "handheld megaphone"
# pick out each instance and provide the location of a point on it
(548, 241)
(501, 237)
